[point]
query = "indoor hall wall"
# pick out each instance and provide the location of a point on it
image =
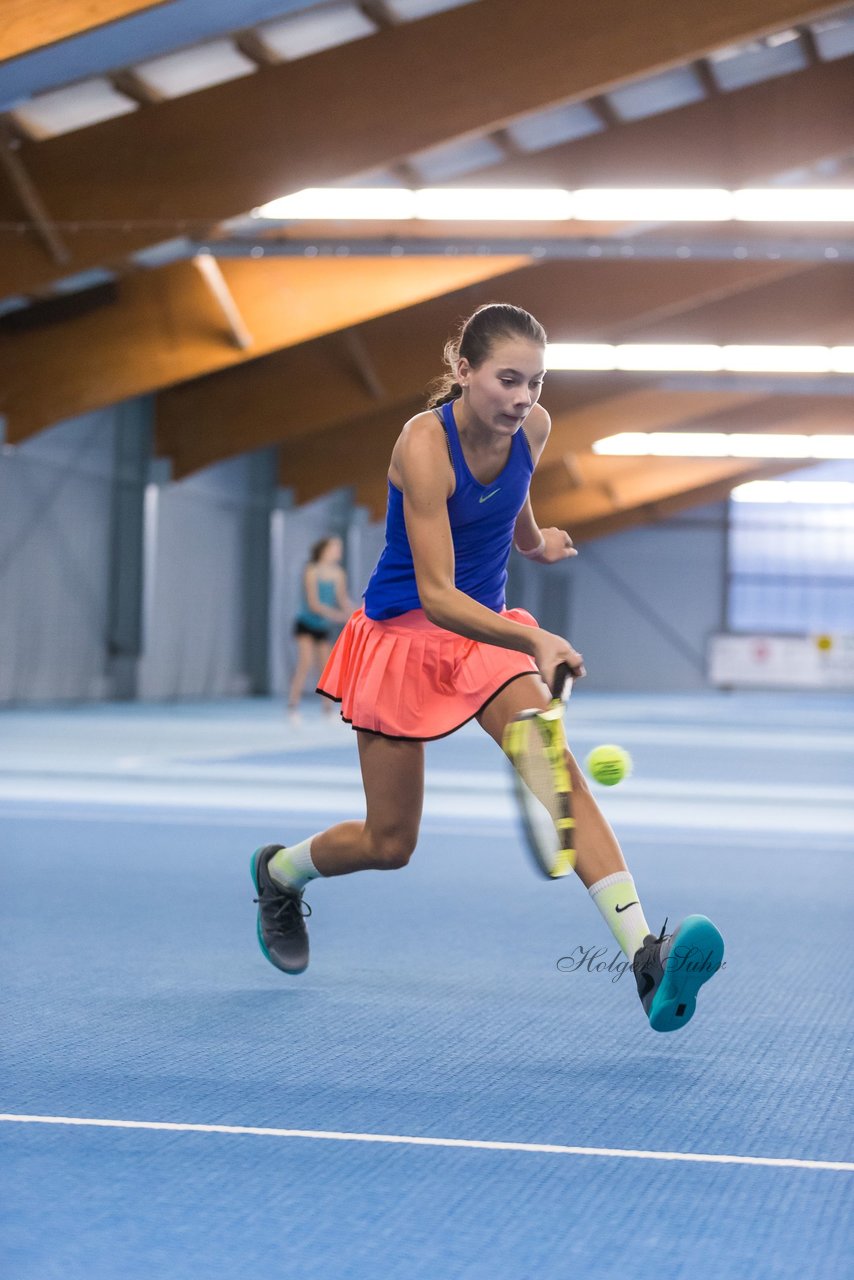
(194, 584)
(55, 515)
(643, 604)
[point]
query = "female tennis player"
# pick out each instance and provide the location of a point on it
(324, 602)
(434, 646)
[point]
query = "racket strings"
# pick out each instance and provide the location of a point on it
(532, 762)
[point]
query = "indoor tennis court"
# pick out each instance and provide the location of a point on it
(435, 1096)
(234, 239)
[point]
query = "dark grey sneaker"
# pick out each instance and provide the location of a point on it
(671, 968)
(282, 934)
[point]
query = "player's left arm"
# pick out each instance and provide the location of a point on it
(546, 546)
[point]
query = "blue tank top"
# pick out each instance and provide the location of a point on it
(482, 520)
(326, 594)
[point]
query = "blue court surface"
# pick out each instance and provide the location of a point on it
(436, 1097)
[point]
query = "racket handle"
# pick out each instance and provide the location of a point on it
(563, 672)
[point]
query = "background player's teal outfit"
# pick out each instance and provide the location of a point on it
(327, 595)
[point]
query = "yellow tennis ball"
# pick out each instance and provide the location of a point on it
(609, 764)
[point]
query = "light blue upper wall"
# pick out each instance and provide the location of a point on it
(134, 39)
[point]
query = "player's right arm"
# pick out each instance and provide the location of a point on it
(421, 464)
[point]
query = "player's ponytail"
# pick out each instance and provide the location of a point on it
(475, 340)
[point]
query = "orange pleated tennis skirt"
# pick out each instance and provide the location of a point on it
(407, 678)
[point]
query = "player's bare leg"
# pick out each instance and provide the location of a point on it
(305, 657)
(669, 969)
(598, 851)
(393, 777)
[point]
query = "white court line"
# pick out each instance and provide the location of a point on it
(475, 826)
(476, 782)
(535, 1148)
(821, 819)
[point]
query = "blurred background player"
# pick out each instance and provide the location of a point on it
(324, 602)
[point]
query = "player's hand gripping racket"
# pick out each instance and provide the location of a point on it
(535, 744)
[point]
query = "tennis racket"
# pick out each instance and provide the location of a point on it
(535, 744)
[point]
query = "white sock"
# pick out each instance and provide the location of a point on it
(617, 899)
(293, 868)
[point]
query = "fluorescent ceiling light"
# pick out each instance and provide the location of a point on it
(322, 203)
(581, 355)
(713, 204)
(793, 204)
(719, 444)
(776, 359)
(814, 492)
(602, 204)
(662, 356)
(771, 446)
(842, 359)
(699, 358)
(450, 204)
(832, 446)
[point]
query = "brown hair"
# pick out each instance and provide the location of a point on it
(475, 340)
(318, 549)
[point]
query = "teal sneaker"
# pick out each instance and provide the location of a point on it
(282, 934)
(671, 968)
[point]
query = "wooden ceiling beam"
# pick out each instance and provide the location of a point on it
(357, 453)
(733, 139)
(609, 509)
(624, 498)
(296, 392)
(817, 307)
(167, 326)
(644, 409)
(129, 182)
(31, 24)
(656, 410)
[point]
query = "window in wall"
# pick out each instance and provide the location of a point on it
(791, 565)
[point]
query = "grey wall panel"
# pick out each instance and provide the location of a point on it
(55, 505)
(194, 564)
(644, 603)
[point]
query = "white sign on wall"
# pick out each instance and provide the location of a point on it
(782, 662)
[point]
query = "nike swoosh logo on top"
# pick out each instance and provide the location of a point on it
(486, 496)
(626, 907)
